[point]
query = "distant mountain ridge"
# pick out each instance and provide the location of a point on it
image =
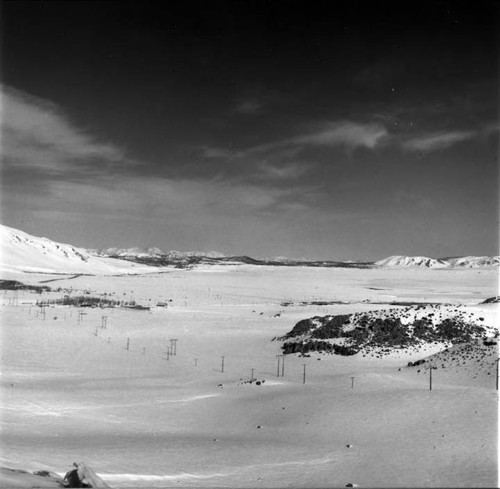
(152, 253)
(154, 256)
(22, 251)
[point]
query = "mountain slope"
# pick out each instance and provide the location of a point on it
(412, 261)
(399, 261)
(23, 252)
(474, 261)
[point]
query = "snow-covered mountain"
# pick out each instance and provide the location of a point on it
(399, 261)
(474, 261)
(22, 252)
(412, 261)
(127, 252)
(131, 253)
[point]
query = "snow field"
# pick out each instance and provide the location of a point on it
(139, 419)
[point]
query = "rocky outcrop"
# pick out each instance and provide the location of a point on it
(383, 331)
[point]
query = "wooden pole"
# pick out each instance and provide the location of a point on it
(252, 374)
(352, 382)
(222, 369)
(430, 378)
(128, 343)
(304, 375)
(278, 371)
(283, 366)
(497, 373)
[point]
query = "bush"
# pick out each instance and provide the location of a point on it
(333, 328)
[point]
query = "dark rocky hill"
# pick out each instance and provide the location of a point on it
(383, 331)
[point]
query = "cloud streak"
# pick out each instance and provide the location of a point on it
(438, 141)
(36, 134)
(331, 134)
(288, 171)
(281, 159)
(251, 106)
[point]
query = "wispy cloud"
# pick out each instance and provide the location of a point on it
(281, 159)
(437, 141)
(147, 197)
(331, 134)
(251, 106)
(287, 171)
(350, 134)
(36, 134)
(491, 128)
(215, 153)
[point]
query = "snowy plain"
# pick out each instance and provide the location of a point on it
(72, 391)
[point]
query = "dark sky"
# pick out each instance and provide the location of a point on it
(335, 130)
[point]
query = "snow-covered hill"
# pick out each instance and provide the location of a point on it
(23, 252)
(474, 261)
(426, 262)
(386, 332)
(412, 261)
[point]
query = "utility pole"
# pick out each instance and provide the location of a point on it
(304, 375)
(222, 369)
(251, 378)
(283, 366)
(497, 372)
(352, 382)
(128, 343)
(430, 378)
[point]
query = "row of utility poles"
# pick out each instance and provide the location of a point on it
(172, 351)
(280, 370)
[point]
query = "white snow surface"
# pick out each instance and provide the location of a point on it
(72, 391)
(20, 251)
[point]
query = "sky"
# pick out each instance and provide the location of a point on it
(307, 129)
